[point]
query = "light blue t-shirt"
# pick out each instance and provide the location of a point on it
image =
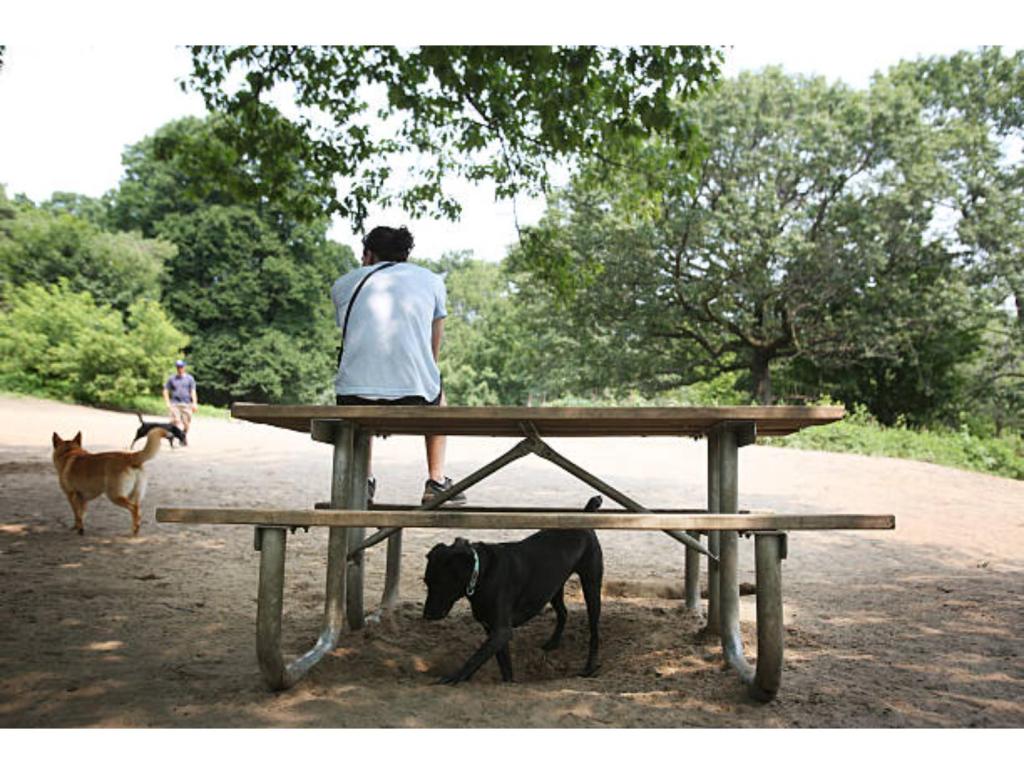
(387, 350)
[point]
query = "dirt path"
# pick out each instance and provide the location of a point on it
(920, 627)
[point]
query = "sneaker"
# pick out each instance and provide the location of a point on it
(433, 488)
(371, 489)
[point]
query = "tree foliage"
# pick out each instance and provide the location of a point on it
(497, 112)
(248, 283)
(813, 237)
(43, 244)
(261, 320)
(184, 166)
(975, 104)
(60, 342)
(501, 345)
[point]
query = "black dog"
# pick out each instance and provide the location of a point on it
(509, 583)
(173, 431)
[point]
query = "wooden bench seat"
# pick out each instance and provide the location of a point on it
(522, 519)
(769, 529)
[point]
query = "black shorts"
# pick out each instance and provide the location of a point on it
(407, 400)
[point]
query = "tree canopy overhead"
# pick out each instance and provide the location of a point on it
(502, 113)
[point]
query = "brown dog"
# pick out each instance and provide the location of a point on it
(118, 475)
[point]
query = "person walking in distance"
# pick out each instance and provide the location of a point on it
(391, 315)
(180, 396)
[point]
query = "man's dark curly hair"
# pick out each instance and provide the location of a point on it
(389, 244)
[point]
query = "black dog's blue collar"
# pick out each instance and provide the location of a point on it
(471, 588)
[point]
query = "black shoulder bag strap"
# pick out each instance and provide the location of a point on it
(348, 311)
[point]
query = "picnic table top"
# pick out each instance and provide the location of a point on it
(513, 421)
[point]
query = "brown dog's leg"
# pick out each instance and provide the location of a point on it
(78, 508)
(133, 508)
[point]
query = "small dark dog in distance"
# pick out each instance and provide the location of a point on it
(507, 584)
(172, 431)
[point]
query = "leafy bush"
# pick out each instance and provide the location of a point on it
(861, 433)
(59, 343)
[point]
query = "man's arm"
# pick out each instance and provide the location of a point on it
(167, 397)
(436, 333)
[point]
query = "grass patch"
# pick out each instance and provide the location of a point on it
(860, 433)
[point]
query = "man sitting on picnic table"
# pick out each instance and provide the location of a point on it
(391, 314)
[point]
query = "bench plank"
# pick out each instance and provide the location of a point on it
(468, 519)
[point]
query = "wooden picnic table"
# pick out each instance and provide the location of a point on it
(347, 515)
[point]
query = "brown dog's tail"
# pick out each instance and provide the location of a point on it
(152, 446)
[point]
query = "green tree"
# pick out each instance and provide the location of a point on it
(81, 206)
(261, 321)
(501, 343)
(249, 283)
(974, 103)
(806, 234)
(182, 167)
(7, 212)
(496, 112)
(41, 246)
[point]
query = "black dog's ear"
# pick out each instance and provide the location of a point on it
(460, 542)
(436, 550)
(593, 503)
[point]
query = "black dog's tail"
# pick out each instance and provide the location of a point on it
(593, 504)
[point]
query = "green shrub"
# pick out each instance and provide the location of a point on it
(861, 433)
(59, 343)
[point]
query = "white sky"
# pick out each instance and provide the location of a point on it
(80, 83)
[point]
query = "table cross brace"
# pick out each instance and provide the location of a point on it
(532, 444)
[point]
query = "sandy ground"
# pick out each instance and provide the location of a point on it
(920, 627)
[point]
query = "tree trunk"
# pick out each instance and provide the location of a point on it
(762, 377)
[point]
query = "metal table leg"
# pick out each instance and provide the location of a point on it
(393, 574)
(270, 599)
(763, 683)
(271, 543)
(769, 551)
(351, 464)
(692, 576)
(713, 625)
(727, 464)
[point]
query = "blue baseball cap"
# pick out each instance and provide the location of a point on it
(179, 362)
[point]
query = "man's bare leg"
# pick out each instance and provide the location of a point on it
(436, 445)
